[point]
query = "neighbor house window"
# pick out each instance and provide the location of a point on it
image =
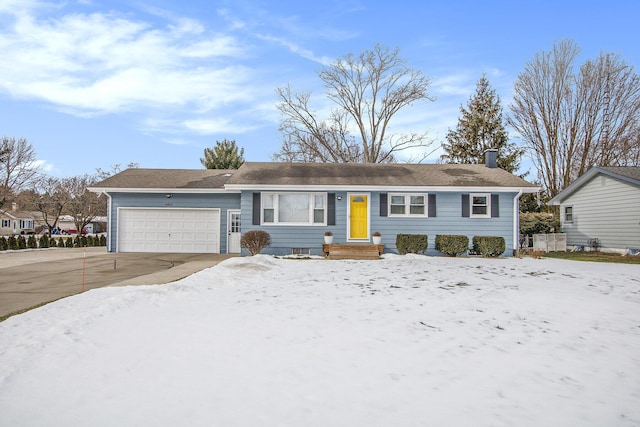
(294, 208)
(6, 223)
(407, 205)
(26, 224)
(568, 214)
(480, 205)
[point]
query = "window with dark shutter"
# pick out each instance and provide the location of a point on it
(466, 211)
(383, 204)
(495, 205)
(256, 209)
(432, 205)
(331, 209)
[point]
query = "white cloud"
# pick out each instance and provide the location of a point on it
(106, 63)
(296, 49)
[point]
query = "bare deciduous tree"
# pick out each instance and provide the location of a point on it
(82, 204)
(50, 199)
(572, 120)
(17, 166)
(102, 174)
(368, 90)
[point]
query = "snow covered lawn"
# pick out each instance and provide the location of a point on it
(404, 341)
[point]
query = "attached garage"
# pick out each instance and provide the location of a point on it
(168, 230)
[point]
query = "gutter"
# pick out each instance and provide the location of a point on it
(516, 223)
(109, 234)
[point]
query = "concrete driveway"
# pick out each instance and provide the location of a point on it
(30, 278)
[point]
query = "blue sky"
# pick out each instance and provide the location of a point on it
(93, 83)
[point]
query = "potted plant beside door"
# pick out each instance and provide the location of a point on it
(328, 237)
(377, 238)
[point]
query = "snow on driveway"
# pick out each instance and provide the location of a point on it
(404, 341)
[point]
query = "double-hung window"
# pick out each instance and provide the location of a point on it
(480, 205)
(26, 224)
(408, 205)
(6, 223)
(568, 214)
(294, 208)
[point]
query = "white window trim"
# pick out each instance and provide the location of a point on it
(407, 204)
(488, 198)
(276, 222)
(26, 224)
(564, 215)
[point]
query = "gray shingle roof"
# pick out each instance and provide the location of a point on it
(167, 179)
(632, 172)
(371, 174)
(316, 174)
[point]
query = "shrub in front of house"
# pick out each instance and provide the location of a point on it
(52, 242)
(255, 241)
(489, 246)
(411, 243)
(69, 242)
(452, 244)
(32, 243)
(22, 242)
(43, 242)
(80, 241)
(3, 244)
(12, 243)
(103, 240)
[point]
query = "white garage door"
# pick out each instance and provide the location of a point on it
(169, 230)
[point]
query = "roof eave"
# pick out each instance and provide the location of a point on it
(160, 190)
(387, 188)
(575, 185)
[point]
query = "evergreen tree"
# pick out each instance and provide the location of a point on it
(224, 155)
(480, 128)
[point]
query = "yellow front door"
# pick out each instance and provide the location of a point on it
(359, 217)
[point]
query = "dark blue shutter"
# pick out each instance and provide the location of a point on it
(495, 205)
(432, 205)
(383, 204)
(331, 209)
(465, 206)
(256, 209)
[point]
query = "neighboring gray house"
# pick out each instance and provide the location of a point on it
(603, 204)
(207, 210)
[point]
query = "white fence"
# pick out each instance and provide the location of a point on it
(550, 242)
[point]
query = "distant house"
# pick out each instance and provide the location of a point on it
(603, 204)
(15, 221)
(165, 210)
(67, 225)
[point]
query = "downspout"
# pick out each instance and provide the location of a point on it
(516, 223)
(108, 221)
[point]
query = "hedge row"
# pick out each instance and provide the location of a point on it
(451, 245)
(32, 242)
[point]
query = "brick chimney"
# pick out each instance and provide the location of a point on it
(491, 158)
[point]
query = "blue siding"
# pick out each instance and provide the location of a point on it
(448, 220)
(145, 200)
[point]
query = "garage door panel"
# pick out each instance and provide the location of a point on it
(169, 230)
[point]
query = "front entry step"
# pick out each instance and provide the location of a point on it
(352, 251)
